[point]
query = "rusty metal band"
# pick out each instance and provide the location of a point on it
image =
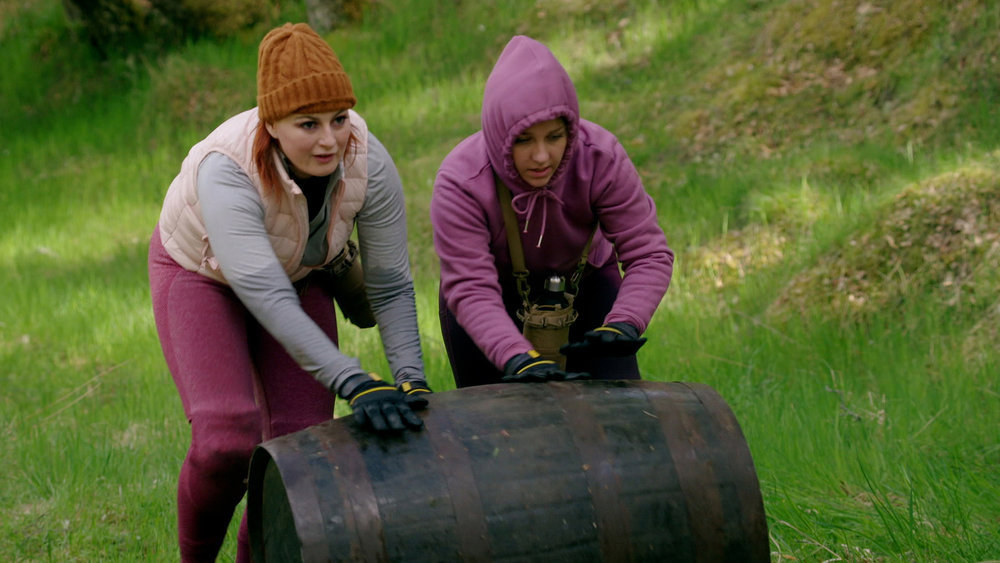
(303, 496)
(361, 512)
(695, 474)
(463, 490)
(597, 462)
(750, 510)
(259, 462)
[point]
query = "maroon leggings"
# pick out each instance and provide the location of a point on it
(598, 291)
(238, 387)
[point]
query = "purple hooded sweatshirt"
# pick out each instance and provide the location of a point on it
(595, 183)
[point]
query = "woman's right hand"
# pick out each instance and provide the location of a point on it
(531, 368)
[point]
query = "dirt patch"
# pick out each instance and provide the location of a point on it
(838, 71)
(938, 239)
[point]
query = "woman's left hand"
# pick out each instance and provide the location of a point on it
(382, 407)
(612, 339)
(416, 393)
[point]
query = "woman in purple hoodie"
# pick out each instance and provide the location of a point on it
(570, 184)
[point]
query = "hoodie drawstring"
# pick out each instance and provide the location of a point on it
(532, 198)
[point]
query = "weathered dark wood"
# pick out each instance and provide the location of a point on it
(582, 471)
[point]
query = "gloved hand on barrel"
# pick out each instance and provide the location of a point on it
(381, 407)
(530, 367)
(416, 393)
(612, 339)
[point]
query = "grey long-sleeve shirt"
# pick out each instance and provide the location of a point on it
(234, 219)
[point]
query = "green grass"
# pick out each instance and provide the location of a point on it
(813, 164)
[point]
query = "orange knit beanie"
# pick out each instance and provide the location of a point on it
(298, 72)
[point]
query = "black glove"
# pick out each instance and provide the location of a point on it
(416, 393)
(382, 407)
(612, 339)
(531, 368)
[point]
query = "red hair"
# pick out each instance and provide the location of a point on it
(263, 146)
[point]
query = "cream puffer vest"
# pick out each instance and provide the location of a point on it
(286, 216)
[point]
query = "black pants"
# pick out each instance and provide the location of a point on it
(597, 294)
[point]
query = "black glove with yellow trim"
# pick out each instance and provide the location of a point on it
(381, 407)
(416, 393)
(612, 339)
(531, 368)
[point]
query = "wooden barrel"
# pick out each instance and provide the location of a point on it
(570, 471)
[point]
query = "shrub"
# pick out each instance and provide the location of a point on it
(125, 26)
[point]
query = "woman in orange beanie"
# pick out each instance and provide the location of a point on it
(251, 248)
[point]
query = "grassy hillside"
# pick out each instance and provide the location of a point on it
(826, 171)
